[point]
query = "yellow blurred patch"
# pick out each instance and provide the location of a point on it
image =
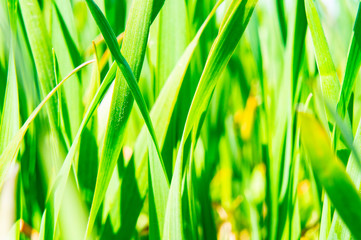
(244, 120)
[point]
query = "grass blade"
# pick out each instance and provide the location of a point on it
(331, 173)
(330, 84)
(232, 28)
(41, 50)
(10, 119)
(134, 186)
(57, 190)
(352, 67)
(65, 50)
(113, 137)
(13, 147)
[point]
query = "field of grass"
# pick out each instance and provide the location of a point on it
(180, 119)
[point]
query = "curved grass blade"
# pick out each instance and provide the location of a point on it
(41, 51)
(68, 55)
(57, 190)
(134, 45)
(13, 147)
(172, 37)
(112, 43)
(232, 28)
(135, 187)
(330, 172)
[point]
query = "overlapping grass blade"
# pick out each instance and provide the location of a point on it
(352, 67)
(68, 55)
(87, 164)
(173, 19)
(41, 51)
(10, 117)
(133, 49)
(232, 28)
(282, 19)
(13, 146)
(330, 172)
(112, 43)
(57, 191)
(338, 229)
(158, 194)
(161, 113)
(172, 37)
(330, 84)
(295, 45)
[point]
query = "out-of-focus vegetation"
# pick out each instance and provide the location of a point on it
(180, 119)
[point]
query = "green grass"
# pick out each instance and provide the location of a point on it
(180, 119)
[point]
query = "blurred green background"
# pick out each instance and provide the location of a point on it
(229, 119)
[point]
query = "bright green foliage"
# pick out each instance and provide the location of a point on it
(246, 122)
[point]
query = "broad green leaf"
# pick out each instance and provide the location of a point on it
(122, 96)
(223, 47)
(330, 172)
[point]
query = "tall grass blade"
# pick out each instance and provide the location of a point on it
(330, 84)
(41, 50)
(13, 146)
(161, 115)
(232, 28)
(121, 96)
(69, 57)
(10, 119)
(352, 67)
(330, 172)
